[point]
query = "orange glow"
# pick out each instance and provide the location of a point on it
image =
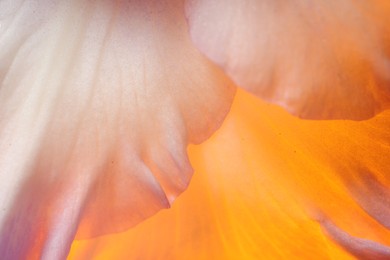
(258, 184)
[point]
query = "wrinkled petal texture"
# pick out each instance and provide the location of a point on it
(271, 186)
(318, 59)
(98, 101)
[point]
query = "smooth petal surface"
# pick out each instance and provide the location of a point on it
(270, 186)
(318, 59)
(98, 101)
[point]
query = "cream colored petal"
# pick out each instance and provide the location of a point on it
(98, 101)
(317, 59)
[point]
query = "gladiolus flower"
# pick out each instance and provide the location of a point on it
(99, 100)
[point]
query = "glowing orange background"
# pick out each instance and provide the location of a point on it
(256, 181)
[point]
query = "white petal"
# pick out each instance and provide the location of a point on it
(98, 101)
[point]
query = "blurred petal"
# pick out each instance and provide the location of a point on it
(98, 101)
(361, 248)
(318, 59)
(260, 182)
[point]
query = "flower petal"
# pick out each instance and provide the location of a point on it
(319, 60)
(98, 101)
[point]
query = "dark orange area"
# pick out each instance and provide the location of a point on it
(258, 186)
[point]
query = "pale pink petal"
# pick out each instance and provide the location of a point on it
(98, 101)
(318, 59)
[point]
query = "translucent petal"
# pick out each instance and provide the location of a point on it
(98, 101)
(319, 60)
(259, 185)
